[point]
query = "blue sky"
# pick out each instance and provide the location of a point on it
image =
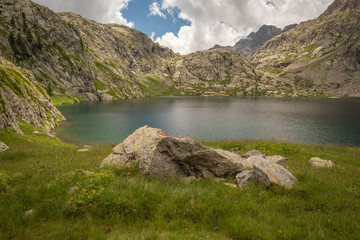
(138, 12)
(191, 25)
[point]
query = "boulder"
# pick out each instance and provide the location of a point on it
(320, 163)
(269, 172)
(3, 147)
(265, 171)
(278, 160)
(158, 154)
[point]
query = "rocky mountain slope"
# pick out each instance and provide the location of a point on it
(73, 59)
(248, 46)
(322, 54)
(21, 98)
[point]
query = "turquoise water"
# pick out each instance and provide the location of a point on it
(307, 120)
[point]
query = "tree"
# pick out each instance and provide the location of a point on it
(25, 26)
(49, 89)
(12, 21)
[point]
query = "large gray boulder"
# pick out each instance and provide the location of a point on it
(158, 154)
(3, 147)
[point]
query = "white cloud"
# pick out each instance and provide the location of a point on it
(152, 36)
(155, 10)
(225, 21)
(104, 11)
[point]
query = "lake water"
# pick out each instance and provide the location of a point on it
(307, 120)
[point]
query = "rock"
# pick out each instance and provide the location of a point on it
(36, 133)
(269, 172)
(231, 185)
(83, 150)
(278, 160)
(252, 153)
(158, 154)
(320, 163)
(244, 178)
(73, 189)
(3, 147)
(188, 180)
(87, 146)
(265, 172)
(84, 172)
(29, 212)
(51, 136)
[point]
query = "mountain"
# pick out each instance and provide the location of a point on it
(254, 41)
(71, 59)
(323, 53)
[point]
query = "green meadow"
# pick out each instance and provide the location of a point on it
(45, 194)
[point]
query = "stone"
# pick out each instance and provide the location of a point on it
(84, 172)
(29, 212)
(269, 172)
(321, 163)
(252, 153)
(244, 178)
(36, 132)
(278, 160)
(73, 189)
(188, 180)
(51, 136)
(3, 147)
(158, 154)
(231, 185)
(83, 150)
(87, 146)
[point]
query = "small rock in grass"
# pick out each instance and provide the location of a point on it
(231, 185)
(83, 150)
(29, 212)
(73, 189)
(321, 163)
(84, 172)
(87, 146)
(36, 132)
(252, 153)
(188, 180)
(3, 147)
(51, 136)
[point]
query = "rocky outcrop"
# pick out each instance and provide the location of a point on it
(320, 163)
(22, 99)
(3, 147)
(320, 54)
(220, 72)
(157, 154)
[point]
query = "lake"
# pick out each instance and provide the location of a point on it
(305, 120)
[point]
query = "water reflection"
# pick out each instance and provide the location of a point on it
(309, 120)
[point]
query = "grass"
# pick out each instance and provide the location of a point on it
(37, 173)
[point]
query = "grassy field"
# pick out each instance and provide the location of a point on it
(36, 174)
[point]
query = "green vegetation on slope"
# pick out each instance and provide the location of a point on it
(37, 173)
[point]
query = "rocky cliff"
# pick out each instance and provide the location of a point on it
(322, 54)
(248, 46)
(21, 99)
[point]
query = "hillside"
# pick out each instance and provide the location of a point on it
(322, 54)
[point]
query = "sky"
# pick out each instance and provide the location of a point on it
(191, 25)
